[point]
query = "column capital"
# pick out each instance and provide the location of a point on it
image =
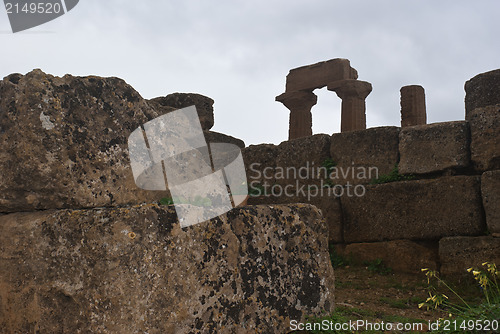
(298, 100)
(351, 88)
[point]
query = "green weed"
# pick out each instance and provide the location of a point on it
(393, 176)
(378, 266)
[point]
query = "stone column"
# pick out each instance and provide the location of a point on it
(299, 103)
(413, 106)
(353, 94)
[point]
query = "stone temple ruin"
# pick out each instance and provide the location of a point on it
(440, 207)
(83, 250)
(338, 76)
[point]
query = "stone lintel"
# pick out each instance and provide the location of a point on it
(318, 75)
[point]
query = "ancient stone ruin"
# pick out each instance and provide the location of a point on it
(338, 76)
(83, 250)
(438, 201)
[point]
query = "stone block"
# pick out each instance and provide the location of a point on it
(415, 210)
(260, 164)
(485, 137)
(482, 91)
(399, 255)
(434, 147)
(490, 189)
(299, 161)
(328, 205)
(134, 270)
(457, 254)
(204, 106)
(63, 142)
(217, 137)
(363, 155)
(319, 75)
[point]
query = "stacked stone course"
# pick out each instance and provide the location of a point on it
(448, 195)
(84, 250)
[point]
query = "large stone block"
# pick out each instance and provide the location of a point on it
(434, 147)
(485, 137)
(457, 254)
(204, 106)
(299, 161)
(319, 75)
(328, 205)
(260, 163)
(399, 255)
(63, 142)
(133, 270)
(490, 189)
(482, 91)
(364, 155)
(416, 210)
(217, 137)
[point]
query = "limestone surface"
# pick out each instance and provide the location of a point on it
(490, 190)
(259, 159)
(134, 270)
(399, 255)
(359, 151)
(63, 142)
(434, 147)
(415, 210)
(457, 254)
(204, 105)
(328, 205)
(485, 137)
(301, 160)
(481, 91)
(319, 75)
(217, 137)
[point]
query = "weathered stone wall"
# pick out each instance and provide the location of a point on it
(445, 194)
(83, 250)
(134, 270)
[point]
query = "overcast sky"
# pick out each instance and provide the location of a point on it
(239, 53)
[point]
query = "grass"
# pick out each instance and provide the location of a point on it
(473, 305)
(166, 201)
(378, 266)
(256, 190)
(402, 304)
(337, 260)
(329, 164)
(393, 176)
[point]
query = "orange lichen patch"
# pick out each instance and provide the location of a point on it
(132, 235)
